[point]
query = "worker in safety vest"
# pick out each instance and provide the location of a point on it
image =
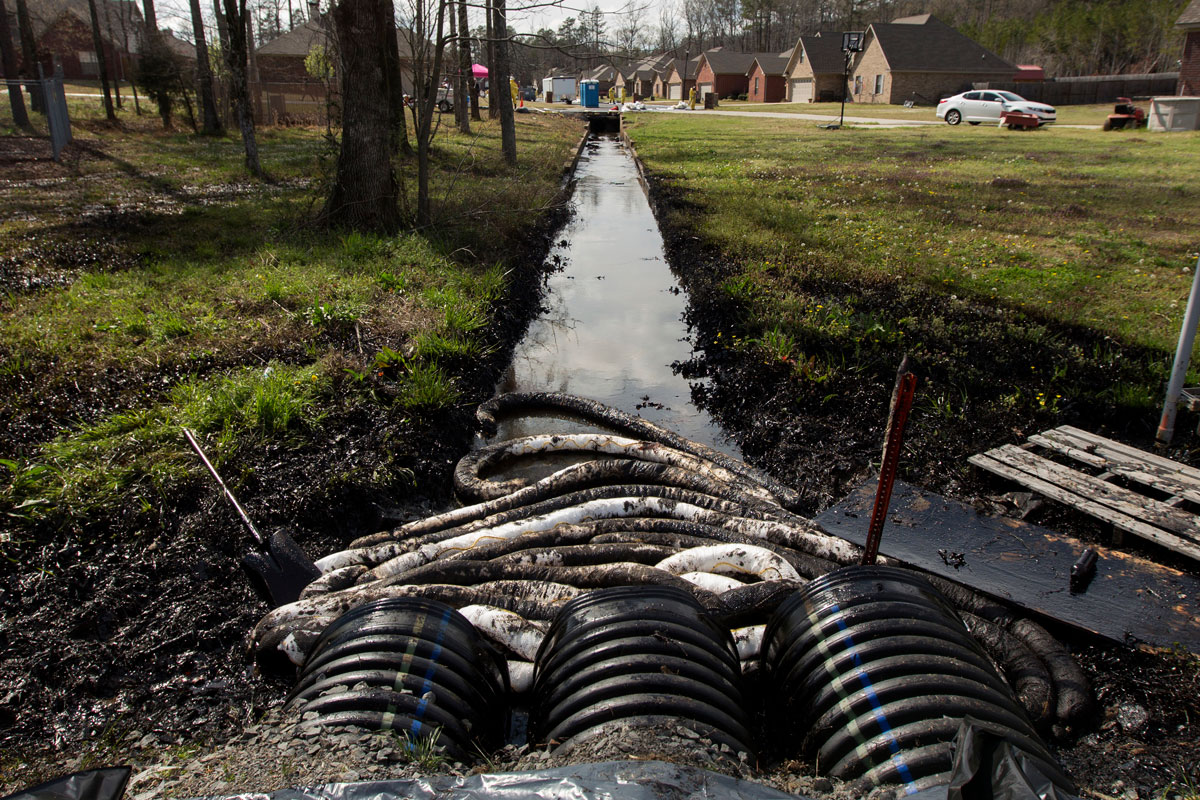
(514, 90)
(692, 98)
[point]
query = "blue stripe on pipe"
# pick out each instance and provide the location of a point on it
(880, 717)
(415, 728)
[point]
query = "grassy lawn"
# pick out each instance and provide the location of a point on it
(1032, 275)
(151, 285)
(1067, 115)
(1082, 227)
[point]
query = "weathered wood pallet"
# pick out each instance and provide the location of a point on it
(1153, 499)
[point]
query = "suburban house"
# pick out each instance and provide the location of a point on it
(766, 78)
(1189, 67)
(638, 79)
(724, 73)
(605, 75)
(681, 77)
(62, 31)
(920, 59)
(281, 60)
(816, 71)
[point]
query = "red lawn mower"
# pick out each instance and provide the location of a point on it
(1125, 115)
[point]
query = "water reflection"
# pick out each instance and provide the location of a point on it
(614, 319)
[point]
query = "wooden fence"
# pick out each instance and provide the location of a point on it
(1090, 89)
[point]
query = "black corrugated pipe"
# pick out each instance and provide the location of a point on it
(411, 665)
(874, 671)
(638, 654)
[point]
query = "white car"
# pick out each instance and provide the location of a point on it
(988, 104)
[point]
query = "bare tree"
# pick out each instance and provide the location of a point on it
(237, 58)
(462, 53)
(101, 61)
(8, 59)
(501, 93)
(395, 84)
(204, 78)
(364, 192)
(473, 87)
(29, 59)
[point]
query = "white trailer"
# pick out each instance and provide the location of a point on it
(558, 87)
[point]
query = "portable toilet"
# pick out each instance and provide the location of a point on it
(589, 93)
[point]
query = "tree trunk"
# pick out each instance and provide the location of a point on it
(490, 14)
(465, 78)
(208, 98)
(394, 77)
(222, 26)
(8, 58)
(364, 193)
(235, 13)
(101, 61)
(119, 71)
(29, 56)
(153, 40)
(501, 89)
(428, 102)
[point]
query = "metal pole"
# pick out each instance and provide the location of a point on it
(1183, 356)
(845, 80)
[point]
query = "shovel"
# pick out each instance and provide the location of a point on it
(278, 569)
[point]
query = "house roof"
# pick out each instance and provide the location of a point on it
(824, 54)
(918, 19)
(43, 14)
(770, 64)
(728, 62)
(299, 40)
(933, 46)
(179, 47)
(685, 69)
(1190, 18)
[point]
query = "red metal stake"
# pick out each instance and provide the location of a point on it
(902, 397)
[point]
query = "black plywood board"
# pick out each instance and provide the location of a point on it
(1130, 599)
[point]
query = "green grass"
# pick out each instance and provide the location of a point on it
(1080, 227)
(175, 272)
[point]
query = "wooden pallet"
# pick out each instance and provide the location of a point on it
(1153, 499)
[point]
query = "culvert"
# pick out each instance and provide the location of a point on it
(411, 665)
(638, 656)
(874, 673)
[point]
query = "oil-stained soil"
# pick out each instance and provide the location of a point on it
(116, 649)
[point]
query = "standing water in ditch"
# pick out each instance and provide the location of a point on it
(613, 320)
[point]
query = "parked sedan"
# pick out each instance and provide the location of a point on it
(987, 106)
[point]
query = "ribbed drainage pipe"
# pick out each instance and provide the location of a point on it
(410, 665)
(638, 655)
(874, 672)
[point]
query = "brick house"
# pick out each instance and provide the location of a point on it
(62, 32)
(605, 75)
(920, 59)
(815, 71)
(723, 72)
(680, 78)
(766, 78)
(1189, 67)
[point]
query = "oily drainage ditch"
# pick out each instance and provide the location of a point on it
(659, 582)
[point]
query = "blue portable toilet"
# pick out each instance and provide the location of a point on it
(589, 93)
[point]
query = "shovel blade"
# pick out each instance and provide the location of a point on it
(281, 572)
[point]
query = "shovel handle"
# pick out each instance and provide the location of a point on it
(258, 538)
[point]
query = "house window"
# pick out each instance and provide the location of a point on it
(878, 84)
(756, 84)
(88, 64)
(858, 84)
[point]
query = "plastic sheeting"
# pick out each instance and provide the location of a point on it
(628, 780)
(93, 784)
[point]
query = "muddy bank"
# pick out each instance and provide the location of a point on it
(124, 641)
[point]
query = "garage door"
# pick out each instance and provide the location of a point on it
(703, 89)
(676, 91)
(802, 90)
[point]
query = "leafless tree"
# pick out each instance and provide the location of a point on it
(237, 59)
(8, 59)
(204, 78)
(101, 61)
(501, 93)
